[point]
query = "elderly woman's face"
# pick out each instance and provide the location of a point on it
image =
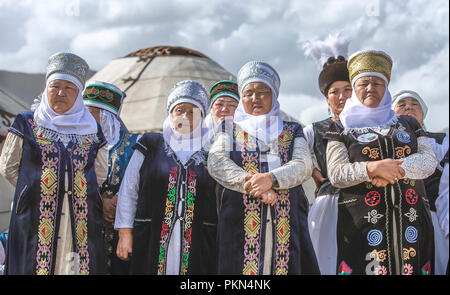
(257, 98)
(338, 94)
(370, 90)
(409, 106)
(61, 95)
(223, 107)
(186, 117)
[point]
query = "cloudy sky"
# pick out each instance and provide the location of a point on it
(415, 33)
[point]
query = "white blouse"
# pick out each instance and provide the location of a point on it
(230, 175)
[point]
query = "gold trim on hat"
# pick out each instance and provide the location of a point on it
(370, 62)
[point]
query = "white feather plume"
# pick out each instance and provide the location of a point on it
(334, 45)
(338, 44)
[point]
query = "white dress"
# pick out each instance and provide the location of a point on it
(322, 221)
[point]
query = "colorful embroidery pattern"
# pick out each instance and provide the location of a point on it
(252, 206)
(49, 201)
(79, 203)
(252, 226)
(372, 198)
(411, 196)
(252, 211)
(168, 220)
(282, 208)
(283, 233)
(426, 269)
(403, 137)
(366, 138)
(408, 253)
(373, 216)
(411, 234)
(412, 215)
(47, 206)
(188, 219)
(374, 237)
(401, 152)
(380, 271)
(407, 269)
(379, 255)
(373, 153)
(344, 269)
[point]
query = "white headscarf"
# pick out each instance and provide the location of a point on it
(265, 127)
(110, 126)
(77, 121)
(211, 124)
(409, 93)
(186, 145)
(355, 115)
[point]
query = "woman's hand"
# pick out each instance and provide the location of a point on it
(109, 209)
(387, 169)
(258, 183)
(125, 245)
(318, 177)
(380, 182)
(270, 197)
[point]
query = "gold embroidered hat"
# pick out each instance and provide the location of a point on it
(369, 62)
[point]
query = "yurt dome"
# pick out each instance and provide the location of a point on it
(147, 75)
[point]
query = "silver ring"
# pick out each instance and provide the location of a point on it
(396, 179)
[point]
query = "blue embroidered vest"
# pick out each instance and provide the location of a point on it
(38, 200)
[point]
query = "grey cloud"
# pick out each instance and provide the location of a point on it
(415, 33)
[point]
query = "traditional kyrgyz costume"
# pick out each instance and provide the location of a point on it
(380, 230)
(168, 197)
(56, 162)
(255, 238)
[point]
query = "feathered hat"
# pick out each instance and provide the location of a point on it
(330, 56)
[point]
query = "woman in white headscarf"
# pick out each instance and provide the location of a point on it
(55, 157)
(260, 162)
(166, 210)
(378, 160)
(409, 103)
